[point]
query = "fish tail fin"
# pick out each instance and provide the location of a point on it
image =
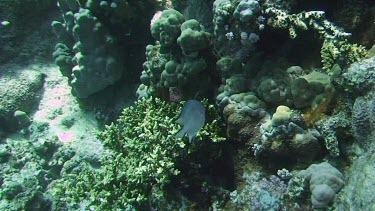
(180, 134)
(191, 138)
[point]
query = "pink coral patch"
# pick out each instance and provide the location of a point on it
(66, 137)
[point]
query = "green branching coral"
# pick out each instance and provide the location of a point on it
(340, 52)
(314, 20)
(143, 154)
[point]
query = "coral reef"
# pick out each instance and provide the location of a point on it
(259, 193)
(237, 26)
(315, 20)
(241, 116)
(178, 55)
(166, 29)
(246, 10)
(89, 51)
(325, 182)
(227, 66)
(27, 168)
(330, 128)
(143, 154)
(359, 77)
(95, 62)
(292, 87)
(285, 137)
(340, 52)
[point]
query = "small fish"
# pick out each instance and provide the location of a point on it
(192, 119)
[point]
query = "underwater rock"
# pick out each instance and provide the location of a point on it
(25, 174)
(358, 193)
(259, 193)
(285, 137)
(359, 77)
(18, 91)
(242, 114)
(10, 189)
(23, 118)
(240, 123)
(22, 30)
(5, 153)
(302, 147)
(227, 66)
(306, 146)
(296, 71)
(363, 121)
(302, 93)
(273, 91)
(237, 84)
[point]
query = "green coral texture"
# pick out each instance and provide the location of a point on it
(340, 52)
(142, 154)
